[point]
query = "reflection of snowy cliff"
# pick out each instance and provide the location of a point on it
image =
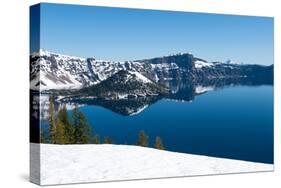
(35, 106)
(128, 106)
(45, 103)
(133, 112)
(201, 89)
(44, 106)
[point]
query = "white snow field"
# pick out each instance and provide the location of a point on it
(199, 64)
(62, 164)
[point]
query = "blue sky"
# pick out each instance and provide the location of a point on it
(128, 34)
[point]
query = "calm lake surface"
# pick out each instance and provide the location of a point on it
(233, 122)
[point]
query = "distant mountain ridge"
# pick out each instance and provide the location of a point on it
(56, 71)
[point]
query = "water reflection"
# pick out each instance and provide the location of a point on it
(180, 90)
(232, 123)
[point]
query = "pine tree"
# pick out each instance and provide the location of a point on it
(158, 143)
(143, 139)
(85, 129)
(52, 120)
(67, 126)
(60, 133)
(107, 140)
(43, 136)
(75, 119)
(82, 130)
(95, 139)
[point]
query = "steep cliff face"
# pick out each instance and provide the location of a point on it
(56, 71)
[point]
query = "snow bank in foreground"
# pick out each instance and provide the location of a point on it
(62, 164)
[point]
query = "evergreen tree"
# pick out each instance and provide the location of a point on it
(63, 131)
(158, 143)
(82, 130)
(85, 129)
(107, 140)
(96, 139)
(75, 119)
(60, 133)
(143, 139)
(52, 120)
(67, 126)
(43, 136)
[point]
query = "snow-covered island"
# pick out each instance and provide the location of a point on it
(61, 164)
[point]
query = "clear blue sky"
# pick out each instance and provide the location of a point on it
(128, 34)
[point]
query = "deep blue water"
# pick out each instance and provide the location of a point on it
(235, 122)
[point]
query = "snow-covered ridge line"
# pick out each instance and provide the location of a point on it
(43, 52)
(57, 71)
(61, 164)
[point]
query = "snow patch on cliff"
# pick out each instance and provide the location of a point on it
(200, 64)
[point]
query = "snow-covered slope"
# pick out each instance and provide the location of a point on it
(140, 77)
(62, 164)
(57, 71)
(199, 64)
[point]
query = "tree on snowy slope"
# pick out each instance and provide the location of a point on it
(82, 130)
(60, 133)
(107, 140)
(57, 126)
(43, 136)
(67, 126)
(158, 143)
(52, 120)
(95, 139)
(143, 139)
(64, 131)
